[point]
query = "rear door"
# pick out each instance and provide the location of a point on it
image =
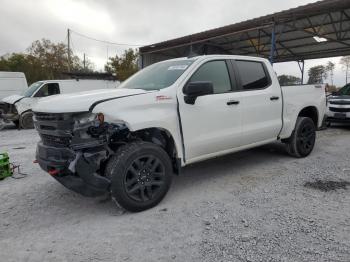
(261, 102)
(213, 123)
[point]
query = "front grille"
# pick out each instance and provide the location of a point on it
(340, 102)
(55, 141)
(341, 110)
(49, 116)
(55, 129)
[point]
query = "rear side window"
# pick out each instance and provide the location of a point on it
(215, 72)
(48, 90)
(252, 75)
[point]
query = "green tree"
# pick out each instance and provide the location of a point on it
(317, 74)
(54, 57)
(18, 62)
(123, 66)
(288, 80)
(43, 60)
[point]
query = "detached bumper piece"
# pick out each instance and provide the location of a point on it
(84, 181)
(75, 169)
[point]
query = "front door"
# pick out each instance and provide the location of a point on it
(213, 123)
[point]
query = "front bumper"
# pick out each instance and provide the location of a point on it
(338, 117)
(338, 120)
(10, 117)
(84, 180)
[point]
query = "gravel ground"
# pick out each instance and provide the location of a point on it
(249, 206)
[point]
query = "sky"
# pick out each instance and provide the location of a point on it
(134, 22)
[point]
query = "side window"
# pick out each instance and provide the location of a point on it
(215, 72)
(252, 74)
(48, 90)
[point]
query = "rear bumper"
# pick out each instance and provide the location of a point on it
(84, 180)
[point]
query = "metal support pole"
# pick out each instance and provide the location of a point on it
(140, 63)
(301, 65)
(68, 38)
(302, 73)
(273, 44)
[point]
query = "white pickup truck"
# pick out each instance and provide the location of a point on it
(129, 141)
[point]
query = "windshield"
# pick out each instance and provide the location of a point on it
(33, 87)
(345, 91)
(158, 76)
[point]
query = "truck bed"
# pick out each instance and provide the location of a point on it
(301, 96)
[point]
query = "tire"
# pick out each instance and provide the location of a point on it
(302, 140)
(26, 120)
(141, 174)
(16, 123)
(2, 124)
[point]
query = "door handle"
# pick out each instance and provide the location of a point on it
(232, 102)
(272, 98)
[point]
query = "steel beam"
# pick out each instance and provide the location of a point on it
(273, 44)
(301, 65)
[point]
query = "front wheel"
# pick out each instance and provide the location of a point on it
(302, 140)
(26, 120)
(2, 124)
(140, 174)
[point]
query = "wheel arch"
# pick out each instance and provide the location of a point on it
(163, 138)
(311, 112)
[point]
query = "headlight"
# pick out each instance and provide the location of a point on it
(85, 118)
(88, 119)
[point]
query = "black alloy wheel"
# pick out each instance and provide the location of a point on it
(144, 178)
(140, 174)
(306, 138)
(302, 141)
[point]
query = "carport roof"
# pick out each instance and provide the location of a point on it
(317, 30)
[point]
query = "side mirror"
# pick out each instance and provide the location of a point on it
(195, 89)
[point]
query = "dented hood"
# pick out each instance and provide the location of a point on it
(12, 99)
(82, 101)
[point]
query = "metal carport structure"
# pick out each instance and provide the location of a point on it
(316, 30)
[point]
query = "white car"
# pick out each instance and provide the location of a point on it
(171, 114)
(19, 106)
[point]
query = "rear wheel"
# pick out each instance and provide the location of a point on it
(26, 120)
(302, 140)
(140, 174)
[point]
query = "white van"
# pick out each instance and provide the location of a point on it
(18, 108)
(12, 83)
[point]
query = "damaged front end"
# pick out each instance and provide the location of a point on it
(8, 113)
(75, 147)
